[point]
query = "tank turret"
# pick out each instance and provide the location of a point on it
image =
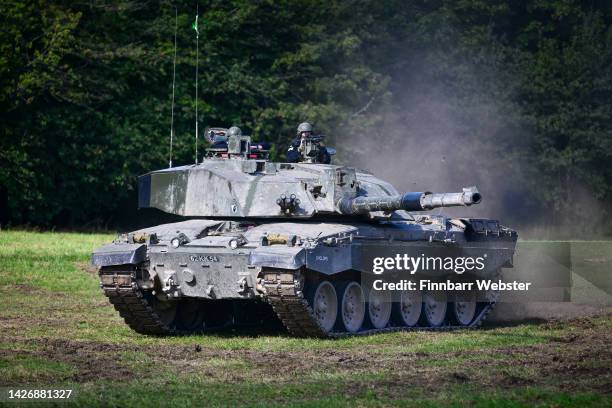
(239, 184)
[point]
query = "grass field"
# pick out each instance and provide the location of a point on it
(58, 330)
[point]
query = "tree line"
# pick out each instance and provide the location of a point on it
(85, 94)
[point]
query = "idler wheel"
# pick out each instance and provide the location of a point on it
(463, 309)
(408, 310)
(434, 307)
(379, 308)
(324, 304)
(352, 307)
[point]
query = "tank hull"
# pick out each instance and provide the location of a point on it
(184, 277)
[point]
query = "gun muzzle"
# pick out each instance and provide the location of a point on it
(414, 201)
(469, 196)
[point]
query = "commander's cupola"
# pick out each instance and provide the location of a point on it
(232, 144)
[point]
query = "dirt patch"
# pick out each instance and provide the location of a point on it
(576, 361)
(92, 361)
(584, 352)
(579, 359)
(24, 288)
(548, 364)
(15, 324)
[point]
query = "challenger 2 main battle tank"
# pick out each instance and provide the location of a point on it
(327, 250)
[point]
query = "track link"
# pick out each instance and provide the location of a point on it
(284, 291)
(120, 286)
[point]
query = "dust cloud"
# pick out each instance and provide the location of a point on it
(425, 142)
(428, 138)
(522, 312)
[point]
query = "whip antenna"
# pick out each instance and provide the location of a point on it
(195, 27)
(173, 85)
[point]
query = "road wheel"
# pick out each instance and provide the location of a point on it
(379, 308)
(463, 309)
(408, 310)
(324, 302)
(434, 307)
(352, 307)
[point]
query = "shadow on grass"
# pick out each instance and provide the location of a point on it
(279, 331)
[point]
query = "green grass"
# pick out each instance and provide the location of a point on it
(57, 328)
(32, 369)
(184, 393)
(47, 260)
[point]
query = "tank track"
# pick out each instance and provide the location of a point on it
(136, 307)
(120, 286)
(284, 291)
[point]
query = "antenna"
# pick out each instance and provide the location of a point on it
(173, 84)
(196, 90)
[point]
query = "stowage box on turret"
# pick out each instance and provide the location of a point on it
(310, 245)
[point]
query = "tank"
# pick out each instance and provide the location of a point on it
(326, 250)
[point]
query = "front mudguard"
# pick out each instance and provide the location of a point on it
(119, 254)
(325, 259)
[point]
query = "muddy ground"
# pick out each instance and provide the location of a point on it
(57, 329)
(579, 359)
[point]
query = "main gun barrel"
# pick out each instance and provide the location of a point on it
(415, 201)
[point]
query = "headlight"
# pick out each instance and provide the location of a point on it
(180, 239)
(238, 241)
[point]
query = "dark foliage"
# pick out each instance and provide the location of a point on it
(85, 89)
